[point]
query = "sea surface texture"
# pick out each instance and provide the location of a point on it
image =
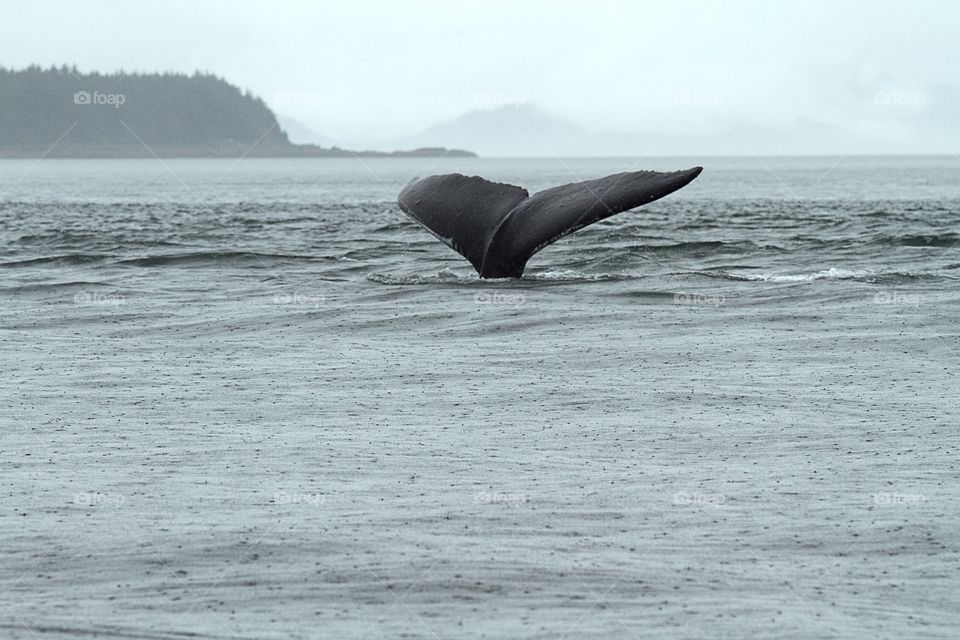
(251, 399)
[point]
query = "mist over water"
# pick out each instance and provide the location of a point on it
(258, 393)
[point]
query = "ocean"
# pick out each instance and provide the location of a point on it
(251, 399)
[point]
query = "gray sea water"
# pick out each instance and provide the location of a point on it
(252, 400)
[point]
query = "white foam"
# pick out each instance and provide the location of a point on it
(444, 275)
(568, 275)
(832, 273)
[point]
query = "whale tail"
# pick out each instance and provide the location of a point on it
(498, 227)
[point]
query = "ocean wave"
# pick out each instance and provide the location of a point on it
(57, 286)
(702, 247)
(833, 273)
(569, 275)
(213, 257)
(449, 276)
(944, 240)
(444, 276)
(65, 259)
(870, 276)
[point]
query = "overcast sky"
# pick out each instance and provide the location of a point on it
(377, 70)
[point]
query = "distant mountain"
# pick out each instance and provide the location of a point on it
(59, 112)
(526, 130)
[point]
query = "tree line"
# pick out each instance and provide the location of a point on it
(200, 112)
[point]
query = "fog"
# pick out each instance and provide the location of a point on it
(729, 77)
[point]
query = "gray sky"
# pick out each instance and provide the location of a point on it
(368, 71)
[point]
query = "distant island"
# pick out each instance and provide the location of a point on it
(62, 113)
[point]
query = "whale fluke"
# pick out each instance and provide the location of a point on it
(497, 227)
